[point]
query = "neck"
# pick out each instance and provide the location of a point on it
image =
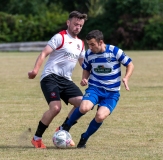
(103, 48)
(71, 34)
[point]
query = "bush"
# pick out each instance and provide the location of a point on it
(18, 28)
(153, 33)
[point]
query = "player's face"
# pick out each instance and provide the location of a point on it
(74, 26)
(94, 46)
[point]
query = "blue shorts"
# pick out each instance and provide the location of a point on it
(102, 97)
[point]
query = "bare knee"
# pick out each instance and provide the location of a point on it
(54, 108)
(83, 110)
(102, 114)
(100, 118)
(85, 106)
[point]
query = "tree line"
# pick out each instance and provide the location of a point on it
(129, 24)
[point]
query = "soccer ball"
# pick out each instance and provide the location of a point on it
(62, 139)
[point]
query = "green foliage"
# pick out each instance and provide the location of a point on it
(95, 7)
(128, 20)
(25, 7)
(9, 26)
(17, 28)
(79, 5)
(129, 24)
(153, 33)
(4, 6)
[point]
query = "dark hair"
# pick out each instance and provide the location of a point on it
(96, 34)
(77, 14)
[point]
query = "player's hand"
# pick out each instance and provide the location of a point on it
(31, 75)
(125, 81)
(84, 82)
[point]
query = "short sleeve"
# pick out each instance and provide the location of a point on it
(55, 41)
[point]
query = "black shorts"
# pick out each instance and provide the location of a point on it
(55, 88)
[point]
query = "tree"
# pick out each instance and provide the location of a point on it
(129, 18)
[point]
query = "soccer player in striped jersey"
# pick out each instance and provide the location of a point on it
(102, 74)
(64, 49)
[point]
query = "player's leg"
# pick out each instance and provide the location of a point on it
(106, 106)
(94, 125)
(73, 95)
(89, 100)
(51, 93)
(54, 109)
(85, 106)
(75, 101)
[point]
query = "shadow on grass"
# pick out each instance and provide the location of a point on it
(4, 147)
(14, 146)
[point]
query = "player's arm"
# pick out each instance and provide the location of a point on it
(129, 70)
(82, 55)
(85, 77)
(45, 52)
(80, 60)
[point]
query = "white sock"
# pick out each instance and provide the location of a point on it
(36, 138)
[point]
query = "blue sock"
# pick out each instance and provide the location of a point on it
(93, 127)
(75, 116)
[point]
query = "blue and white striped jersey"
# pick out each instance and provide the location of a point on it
(105, 68)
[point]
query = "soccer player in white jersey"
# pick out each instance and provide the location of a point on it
(102, 73)
(64, 50)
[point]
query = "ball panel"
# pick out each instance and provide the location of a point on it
(62, 139)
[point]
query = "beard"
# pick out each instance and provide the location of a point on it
(75, 33)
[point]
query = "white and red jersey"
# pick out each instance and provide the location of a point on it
(66, 52)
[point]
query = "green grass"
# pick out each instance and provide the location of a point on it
(134, 131)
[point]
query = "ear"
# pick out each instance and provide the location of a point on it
(68, 22)
(101, 42)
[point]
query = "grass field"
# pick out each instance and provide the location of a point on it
(134, 131)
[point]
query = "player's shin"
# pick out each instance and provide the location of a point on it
(66, 122)
(73, 118)
(41, 129)
(93, 127)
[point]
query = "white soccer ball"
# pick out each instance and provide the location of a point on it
(62, 139)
